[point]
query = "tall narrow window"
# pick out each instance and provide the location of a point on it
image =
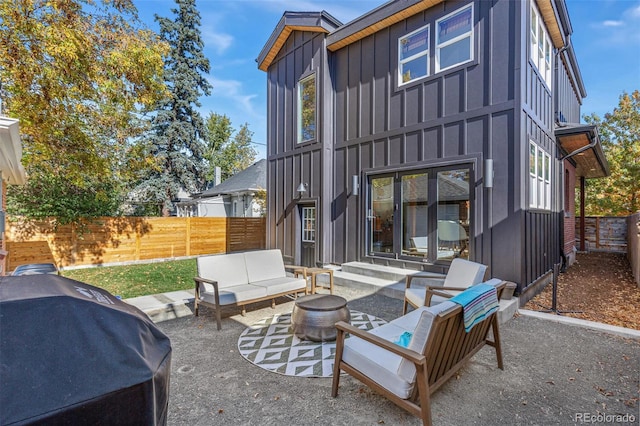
(307, 109)
(454, 39)
(540, 46)
(540, 178)
(413, 52)
(308, 224)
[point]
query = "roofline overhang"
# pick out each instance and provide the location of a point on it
(554, 13)
(585, 142)
(11, 152)
(379, 18)
(320, 22)
(556, 18)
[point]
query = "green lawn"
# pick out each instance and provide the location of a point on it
(139, 280)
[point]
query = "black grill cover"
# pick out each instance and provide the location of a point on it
(72, 353)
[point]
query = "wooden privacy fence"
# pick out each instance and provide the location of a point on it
(603, 233)
(633, 251)
(130, 239)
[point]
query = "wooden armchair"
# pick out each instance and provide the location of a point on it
(461, 275)
(438, 348)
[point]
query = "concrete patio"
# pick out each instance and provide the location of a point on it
(556, 372)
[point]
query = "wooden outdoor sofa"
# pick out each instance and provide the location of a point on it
(438, 348)
(241, 278)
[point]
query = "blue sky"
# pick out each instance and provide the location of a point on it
(606, 40)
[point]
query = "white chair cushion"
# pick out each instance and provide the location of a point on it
(415, 295)
(391, 371)
(376, 363)
(406, 369)
(235, 294)
(264, 265)
(464, 273)
(281, 285)
(228, 270)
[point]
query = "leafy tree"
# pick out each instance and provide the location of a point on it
(178, 129)
(232, 155)
(76, 73)
(619, 193)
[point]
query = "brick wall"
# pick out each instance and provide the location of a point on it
(569, 210)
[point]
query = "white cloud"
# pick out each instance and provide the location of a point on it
(609, 23)
(220, 42)
(635, 12)
(233, 90)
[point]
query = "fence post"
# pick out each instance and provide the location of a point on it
(188, 237)
(138, 239)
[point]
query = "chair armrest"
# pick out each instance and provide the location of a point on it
(199, 280)
(437, 291)
(425, 275)
(412, 356)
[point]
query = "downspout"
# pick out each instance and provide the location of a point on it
(563, 257)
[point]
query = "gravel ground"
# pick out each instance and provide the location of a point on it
(553, 373)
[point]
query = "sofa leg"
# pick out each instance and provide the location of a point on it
(218, 319)
(273, 303)
(243, 311)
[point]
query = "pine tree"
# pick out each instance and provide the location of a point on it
(178, 130)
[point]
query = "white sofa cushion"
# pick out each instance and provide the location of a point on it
(264, 265)
(281, 285)
(228, 270)
(235, 294)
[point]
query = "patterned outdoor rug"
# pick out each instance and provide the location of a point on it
(271, 345)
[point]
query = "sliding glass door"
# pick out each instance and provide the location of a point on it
(420, 214)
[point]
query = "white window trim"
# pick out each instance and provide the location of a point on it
(301, 82)
(470, 34)
(415, 56)
(308, 224)
(539, 57)
(539, 180)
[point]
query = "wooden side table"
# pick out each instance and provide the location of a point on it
(314, 272)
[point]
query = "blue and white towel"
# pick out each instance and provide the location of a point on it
(478, 302)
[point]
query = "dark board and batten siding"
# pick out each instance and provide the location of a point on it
(368, 124)
(290, 163)
(542, 227)
(466, 112)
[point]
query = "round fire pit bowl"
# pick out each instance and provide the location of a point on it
(314, 317)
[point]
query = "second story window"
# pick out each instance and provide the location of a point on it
(307, 109)
(413, 52)
(540, 46)
(454, 39)
(539, 178)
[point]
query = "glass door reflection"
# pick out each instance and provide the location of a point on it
(381, 215)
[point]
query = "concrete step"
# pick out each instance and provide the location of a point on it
(164, 306)
(389, 273)
(389, 281)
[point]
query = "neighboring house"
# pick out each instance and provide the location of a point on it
(425, 130)
(11, 171)
(236, 196)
